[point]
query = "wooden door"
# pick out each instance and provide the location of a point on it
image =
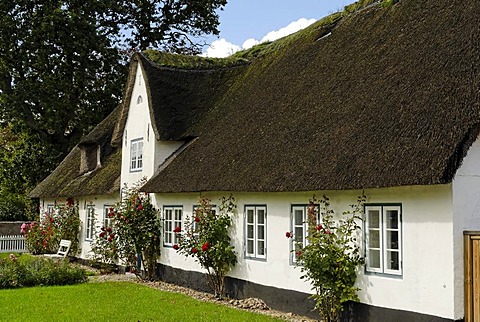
(472, 276)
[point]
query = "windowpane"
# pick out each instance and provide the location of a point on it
(250, 231)
(298, 217)
(374, 238)
(261, 248)
(250, 216)
(393, 262)
(374, 218)
(392, 219)
(374, 258)
(250, 246)
(260, 216)
(260, 232)
(392, 239)
(298, 234)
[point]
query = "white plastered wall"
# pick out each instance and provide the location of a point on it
(99, 203)
(138, 126)
(427, 282)
(466, 208)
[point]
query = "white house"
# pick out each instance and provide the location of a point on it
(383, 101)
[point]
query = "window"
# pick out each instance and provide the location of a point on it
(172, 218)
(136, 155)
(300, 228)
(107, 222)
(90, 224)
(139, 99)
(383, 239)
(255, 229)
(50, 209)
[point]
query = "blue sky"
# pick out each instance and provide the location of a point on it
(254, 19)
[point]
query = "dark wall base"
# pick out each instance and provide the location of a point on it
(290, 301)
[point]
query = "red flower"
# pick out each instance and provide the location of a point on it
(288, 234)
(69, 201)
(327, 232)
(110, 214)
(175, 246)
(194, 250)
(109, 239)
(111, 209)
(299, 253)
(140, 207)
(205, 246)
(108, 229)
(118, 216)
(197, 219)
(177, 229)
(102, 234)
(319, 227)
(112, 235)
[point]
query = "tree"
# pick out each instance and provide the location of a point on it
(63, 62)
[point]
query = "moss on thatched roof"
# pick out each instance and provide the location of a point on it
(67, 181)
(387, 96)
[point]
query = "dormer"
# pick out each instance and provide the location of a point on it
(89, 157)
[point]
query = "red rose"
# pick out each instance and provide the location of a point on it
(118, 216)
(102, 234)
(175, 246)
(108, 229)
(319, 227)
(194, 250)
(288, 234)
(112, 235)
(110, 214)
(109, 239)
(327, 232)
(205, 246)
(177, 229)
(299, 253)
(197, 219)
(140, 207)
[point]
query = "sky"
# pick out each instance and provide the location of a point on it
(244, 23)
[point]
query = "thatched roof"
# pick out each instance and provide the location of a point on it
(390, 97)
(67, 181)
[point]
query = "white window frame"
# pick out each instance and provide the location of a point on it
(296, 226)
(256, 228)
(383, 230)
(172, 218)
(107, 222)
(136, 155)
(89, 222)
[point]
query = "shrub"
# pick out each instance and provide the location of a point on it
(330, 258)
(134, 235)
(62, 223)
(27, 271)
(206, 239)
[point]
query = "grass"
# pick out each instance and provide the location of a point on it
(113, 301)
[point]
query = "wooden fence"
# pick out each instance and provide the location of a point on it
(12, 243)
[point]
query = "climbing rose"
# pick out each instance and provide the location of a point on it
(288, 234)
(177, 229)
(175, 246)
(319, 227)
(108, 229)
(327, 232)
(140, 207)
(194, 250)
(109, 239)
(102, 234)
(205, 246)
(299, 253)
(112, 235)
(197, 219)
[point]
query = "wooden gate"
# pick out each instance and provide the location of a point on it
(472, 275)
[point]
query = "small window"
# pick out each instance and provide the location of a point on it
(299, 222)
(139, 99)
(383, 239)
(136, 155)
(255, 231)
(90, 222)
(172, 218)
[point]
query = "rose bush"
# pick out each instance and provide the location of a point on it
(330, 258)
(206, 239)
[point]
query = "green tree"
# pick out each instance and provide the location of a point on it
(63, 62)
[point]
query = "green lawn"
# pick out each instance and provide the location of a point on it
(111, 302)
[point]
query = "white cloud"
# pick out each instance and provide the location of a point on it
(222, 48)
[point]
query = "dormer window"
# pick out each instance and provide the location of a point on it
(136, 155)
(139, 99)
(89, 157)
